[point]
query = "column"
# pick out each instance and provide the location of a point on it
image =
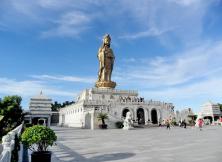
(146, 113)
(49, 121)
(30, 119)
(92, 119)
(213, 119)
(150, 116)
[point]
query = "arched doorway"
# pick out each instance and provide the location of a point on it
(88, 121)
(140, 116)
(35, 120)
(154, 116)
(124, 112)
(42, 121)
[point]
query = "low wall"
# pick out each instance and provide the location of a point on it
(8, 142)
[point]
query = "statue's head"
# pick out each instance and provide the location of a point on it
(128, 115)
(107, 40)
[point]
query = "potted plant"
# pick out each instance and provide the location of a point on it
(102, 116)
(38, 138)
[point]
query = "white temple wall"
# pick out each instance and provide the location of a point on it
(61, 121)
(72, 116)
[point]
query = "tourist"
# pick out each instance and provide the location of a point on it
(160, 123)
(184, 124)
(179, 123)
(168, 124)
(200, 123)
(221, 121)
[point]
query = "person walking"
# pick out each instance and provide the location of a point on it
(200, 123)
(168, 124)
(184, 124)
(179, 123)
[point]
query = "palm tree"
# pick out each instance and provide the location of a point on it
(102, 116)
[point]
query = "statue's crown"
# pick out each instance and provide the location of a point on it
(107, 36)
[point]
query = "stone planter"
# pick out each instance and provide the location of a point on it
(103, 126)
(44, 156)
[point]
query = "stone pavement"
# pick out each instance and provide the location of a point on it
(140, 145)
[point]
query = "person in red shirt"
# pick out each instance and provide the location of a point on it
(200, 123)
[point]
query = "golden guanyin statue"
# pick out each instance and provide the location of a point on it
(106, 62)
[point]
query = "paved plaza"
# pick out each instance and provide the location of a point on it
(139, 145)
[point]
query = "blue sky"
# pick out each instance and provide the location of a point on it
(168, 50)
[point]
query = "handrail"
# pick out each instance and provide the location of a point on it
(8, 142)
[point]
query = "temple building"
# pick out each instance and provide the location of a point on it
(210, 111)
(116, 103)
(39, 110)
(186, 115)
(104, 98)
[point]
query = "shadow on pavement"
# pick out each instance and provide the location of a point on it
(109, 157)
(66, 154)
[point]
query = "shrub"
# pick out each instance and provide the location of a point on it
(38, 138)
(119, 124)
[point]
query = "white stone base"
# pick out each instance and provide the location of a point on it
(128, 128)
(113, 102)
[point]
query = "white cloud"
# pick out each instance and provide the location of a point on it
(76, 4)
(129, 60)
(71, 18)
(70, 24)
(153, 32)
(186, 2)
(191, 95)
(203, 61)
(206, 88)
(65, 78)
(29, 88)
(184, 18)
(53, 4)
(54, 18)
(188, 78)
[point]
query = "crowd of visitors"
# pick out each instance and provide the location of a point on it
(169, 123)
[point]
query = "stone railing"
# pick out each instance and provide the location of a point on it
(96, 102)
(99, 90)
(8, 143)
(145, 102)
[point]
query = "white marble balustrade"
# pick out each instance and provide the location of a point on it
(8, 142)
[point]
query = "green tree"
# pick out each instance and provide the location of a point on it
(56, 106)
(11, 110)
(67, 103)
